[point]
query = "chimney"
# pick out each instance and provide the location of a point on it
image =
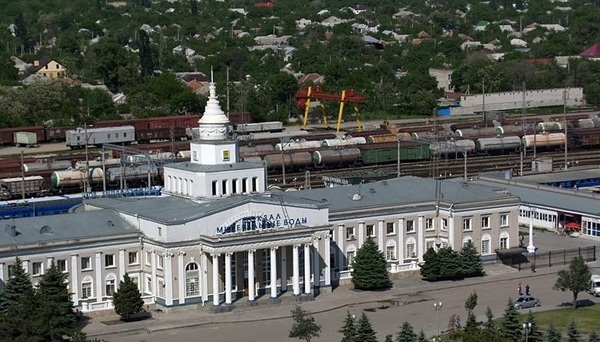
(36, 63)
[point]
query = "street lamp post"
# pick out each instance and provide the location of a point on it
(530, 246)
(527, 330)
(437, 306)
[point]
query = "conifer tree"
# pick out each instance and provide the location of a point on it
(369, 267)
(430, 270)
(406, 333)
(422, 337)
(470, 305)
(511, 329)
(489, 325)
(349, 329)
(364, 330)
(20, 321)
(534, 334)
(449, 264)
(389, 338)
(55, 305)
(594, 337)
(554, 335)
(304, 326)
(128, 299)
(471, 261)
(573, 334)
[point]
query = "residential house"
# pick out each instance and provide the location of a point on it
(311, 78)
(443, 78)
(592, 53)
(302, 23)
(332, 21)
(238, 10)
(482, 25)
(272, 40)
(403, 13)
(185, 51)
(48, 68)
(469, 45)
(323, 12)
(20, 65)
(516, 42)
(506, 28)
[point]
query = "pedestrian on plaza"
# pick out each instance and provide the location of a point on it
(520, 289)
(527, 289)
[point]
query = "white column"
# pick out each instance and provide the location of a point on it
(273, 272)
(361, 233)
(122, 265)
(530, 246)
(181, 277)
(327, 258)
(340, 242)
(227, 278)
(306, 268)
(316, 263)
(451, 232)
(204, 276)
(420, 238)
(98, 271)
(283, 268)
(400, 233)
(49, 262)
(296, 267)
(168, 278)
(153, 273)
(380, 236)
(251, 275)
(2, 274)
(215, 279)
(74, 279)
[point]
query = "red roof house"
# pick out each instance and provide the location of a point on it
(592, 52)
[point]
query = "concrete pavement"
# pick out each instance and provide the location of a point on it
(343, 296)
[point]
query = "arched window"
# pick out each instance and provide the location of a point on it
(485, 244)
(390, 250)
(111, 280)
(466, 240)
(350, 254)
(192, 280)
(86, 287)
(411, 248)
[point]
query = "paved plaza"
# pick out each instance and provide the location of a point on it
(409, 300)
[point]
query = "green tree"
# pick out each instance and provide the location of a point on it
(128, 299)
(430, 270)
(489, 325)
(19, 303)
(364, 330)
(576, 279)
(349, 329)
(573, 333)
(55, 305)
(389, 338)
(470, 305)
(534, 334)
(594, 337)
(369, 267)
(304, 326)
(422, 337)
(511, 328)
(8, 73)
(450, 264)
(554, 335)
(471, 261)
(21, 30)
(98, 105)
(145, 53)
(406, 333)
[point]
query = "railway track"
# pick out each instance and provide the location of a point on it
(441, 168)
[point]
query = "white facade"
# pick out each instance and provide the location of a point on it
(443, 77)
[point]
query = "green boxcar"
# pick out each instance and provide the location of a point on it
(388, 153)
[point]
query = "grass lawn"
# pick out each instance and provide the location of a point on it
(586, 318)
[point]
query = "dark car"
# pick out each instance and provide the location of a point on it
(526, 302)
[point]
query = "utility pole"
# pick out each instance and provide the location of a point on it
(398, 166)
(22, 175)
(523, 118)
(86, 184)
(483, 104)
(565, 96)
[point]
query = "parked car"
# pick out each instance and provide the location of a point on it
(524, 302)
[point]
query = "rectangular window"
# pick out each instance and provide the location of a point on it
(37, 269)
(161, 262)
(444, 224)
(110, 287)
(485, 222)
(244, 185)
(109, 260)
(370, 230)
(161, 288)
(390, 228)
(410, 226)
(108, 136)
(133, 258)
(410, 250)
(503, 220)
(429, 224)
(429, 244)
(467, 224)
(254, 184)
(192, 286)
(485, 246)
(195, 155)
(159, 231)
(350, 233)
(86, 263)
(234, 186)
(148, 258)
(224, 187)
(390, 253)
(214, 188)
(149, 284)
(266, 267)
(86, 290)
(62, 265)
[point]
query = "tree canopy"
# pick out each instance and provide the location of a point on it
(575, 279)
(369, 268)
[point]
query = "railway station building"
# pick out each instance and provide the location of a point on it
(218, 237)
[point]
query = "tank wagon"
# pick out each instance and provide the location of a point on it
(549, 140)
(498, 145)
(76, 178)
(299, 144)
(456, 146)
(45, 166)
(343, 157)
(293, 160)
(343, 141)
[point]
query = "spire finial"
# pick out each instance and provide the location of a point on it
(212, 79)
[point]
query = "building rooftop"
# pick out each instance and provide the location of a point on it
(191, 167)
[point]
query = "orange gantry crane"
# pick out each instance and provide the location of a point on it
(304, 96)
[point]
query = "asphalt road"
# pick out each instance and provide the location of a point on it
(418, 311)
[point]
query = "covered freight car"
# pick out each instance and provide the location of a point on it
(372, 154)
(15, 187)
(79, 137)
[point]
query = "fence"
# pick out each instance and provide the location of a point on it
(547, 259)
